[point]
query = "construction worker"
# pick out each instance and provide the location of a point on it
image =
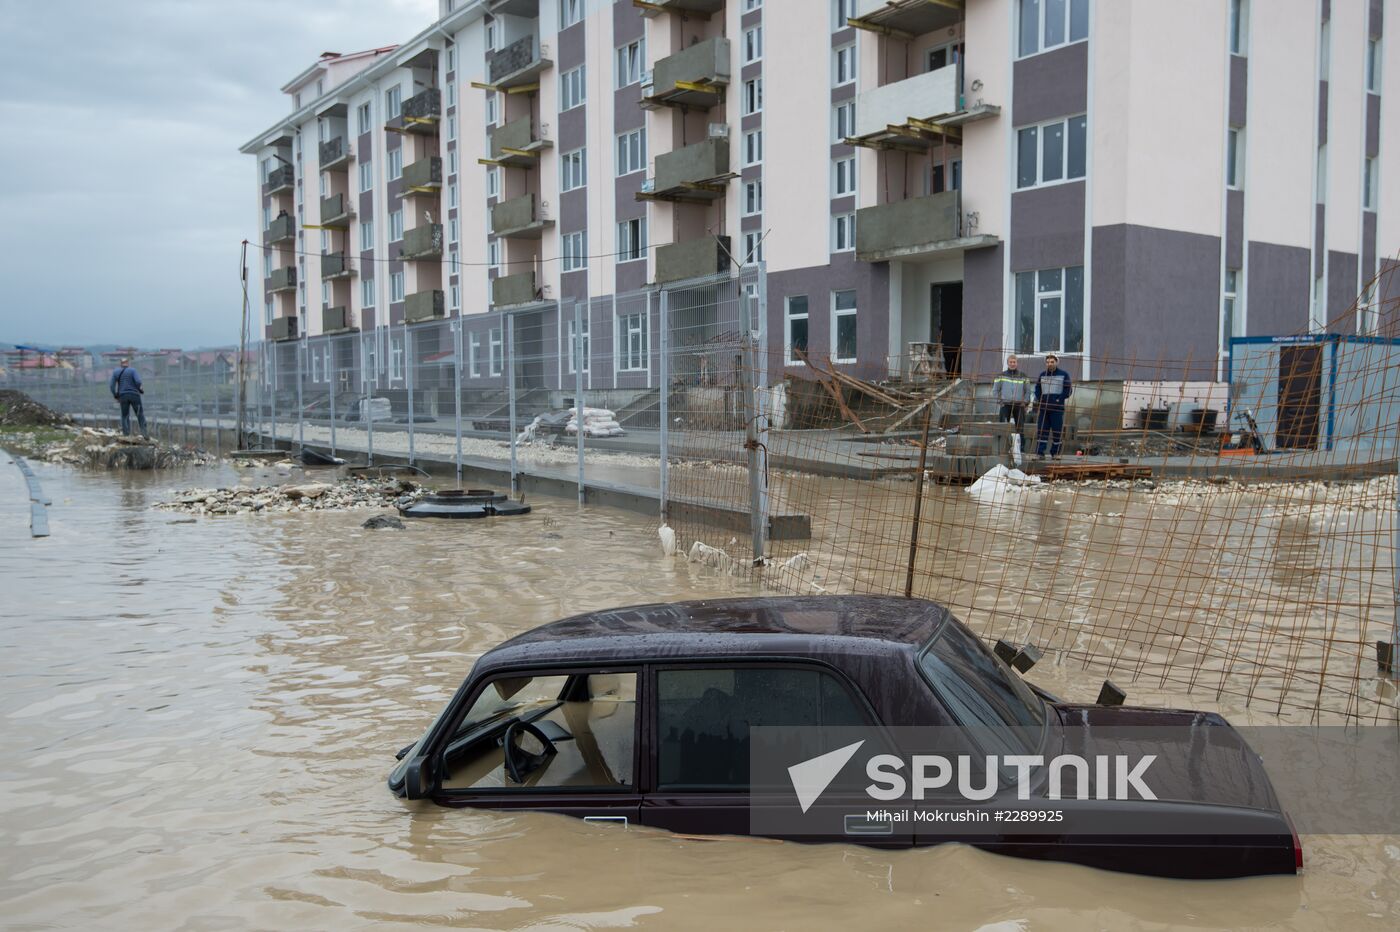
(125, 386)
(1013, 391)
(1052, 390)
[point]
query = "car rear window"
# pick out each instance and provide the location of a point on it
(979, 689)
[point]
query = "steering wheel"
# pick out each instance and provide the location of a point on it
(520, 763)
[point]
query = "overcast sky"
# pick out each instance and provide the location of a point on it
(123, 196)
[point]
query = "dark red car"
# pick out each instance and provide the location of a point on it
(642, 716)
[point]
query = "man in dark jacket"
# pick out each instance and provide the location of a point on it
(1052, 390)
(125, 386)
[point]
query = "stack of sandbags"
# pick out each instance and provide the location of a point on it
(597, 422)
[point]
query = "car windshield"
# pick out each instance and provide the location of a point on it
(981, 690)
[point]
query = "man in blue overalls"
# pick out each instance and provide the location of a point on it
(1052, 390)
(125, 386)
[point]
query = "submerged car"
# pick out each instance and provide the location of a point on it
(642, 716)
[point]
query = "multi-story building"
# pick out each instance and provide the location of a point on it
(1119, 181)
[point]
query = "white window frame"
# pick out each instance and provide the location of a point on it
(841, 10)
(843, 176)
(269, 309)
(569, 349)
(366, 235)
(395, 167)
(573, 90)
(753, 96)
(753, 247)
(1239, 27)
(474, 354)
(493, 108)
(843, 116)
(453, 230)
(788, 317)
(573, 169)
(451, 58)
(1370, 183)
(844, 68)
(753, 145)
(451, 93)
(1229, 319)
(1374, 64)
(493, 254)
(267, 264)
(1234, 158)
(364, 118)
(631, 342)
(452, 194)
(396, 225)
(367, 295)
(753, 44)
(491, 33)
(750, 5)
(1040, 182)
(451, 128)
(495, 346)
(455, 296)
(570, 12)
(493, 182)
(629, 62)
(835, 319)
(632, 239)
(753, 198)
(630, 152)
(1042, 8)
(452, 162)
(396, 354)
(843, 232)
(573, 251)
(1038, 345)
(393, 102)
(366, 176)
(396, 292)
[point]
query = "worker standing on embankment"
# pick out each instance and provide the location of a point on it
(1052, 390)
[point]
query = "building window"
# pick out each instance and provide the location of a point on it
(795, 329)
(843, 121)
(452, 195)
(1373, 65)
(395, 164)
(455, 293)
(491, 32)
(395, 357)
(474, 355)
(1050, 311)
(753, 247)
(393, 103)
(366, 292)
(843, 65)
(451, 59)
(396, 286)
(753, 147)
(452, 230)
(1239, 26)
(267, 310)
(362, 118)
(1234, 158)
(366, 175)
(325, 241)
(843, 325)
(631, 62)
(841, 11)
(1324, 64)
(631, 239)
(1229, 318)
(493, 255)
(366, 234)
(571, 170)
(1051, 152)
(325, 294)
(753, 198)
(843, 232)
(574, 256)
(1048, 24)
(267, 265)
(571, 89)
(753, 44)
(753, 96)
(632, 342)
(631, 152)
(396, 226)
(496, 348)
(572, 348)
(843, 176)
(1370, 184)
(323, 183)
(570, 12)
(452, 162)
(752, 5)
(492, 108)
(451, 128)
(493, 182)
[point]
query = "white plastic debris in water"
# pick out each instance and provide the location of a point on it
(710, 556)
(597, 422)
(668, 539)
(1016, 448)
(999, 482)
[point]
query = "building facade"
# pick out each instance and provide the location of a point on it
(1128, 183)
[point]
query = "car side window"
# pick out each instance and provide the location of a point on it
(704, 716)
(582, 734)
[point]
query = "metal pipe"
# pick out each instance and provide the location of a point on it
(408, 361)
(578, 391)
(918, 502)
(664, 376)
(510, 394)
(457, 391)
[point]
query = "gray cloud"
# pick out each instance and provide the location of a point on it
(123, 195)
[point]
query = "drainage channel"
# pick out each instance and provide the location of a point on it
(38, 503)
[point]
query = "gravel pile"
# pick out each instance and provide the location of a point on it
(312, 496)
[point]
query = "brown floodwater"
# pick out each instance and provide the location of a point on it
(199, 716)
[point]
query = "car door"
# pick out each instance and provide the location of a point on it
(698, 724)
(583, 737)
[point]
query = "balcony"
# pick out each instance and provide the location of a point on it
(698, 172)
(424, 305)
(520, 217)
(694, 77)
(920, 227)
(422, 242)
(280, 180)
(423, 176)
(282, 328)
(911, 17)
(513, 289)
(696, 258)
(335, 265)
(529, 9)
(517, 143)
(516, 64)
(280, 230)
(335, 318)
(334, 154)
(336, 211)
(917, 112)
(420, 113)
(702, 8)
(283, 279)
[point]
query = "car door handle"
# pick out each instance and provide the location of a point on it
(606, 818)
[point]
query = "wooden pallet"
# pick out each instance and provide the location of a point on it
(1082, 471)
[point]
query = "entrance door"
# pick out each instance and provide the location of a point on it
(1299, 393)
(945, 323)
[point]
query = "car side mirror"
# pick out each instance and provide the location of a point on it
(419, 780)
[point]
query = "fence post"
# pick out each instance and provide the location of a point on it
(759, 480)
(331, 372)
(509, 321)
(408, 357)
(457, 389)
(577, 352)
(301, 407)
(664, 377)
(748, 394)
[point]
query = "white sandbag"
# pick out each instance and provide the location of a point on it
(999, 482)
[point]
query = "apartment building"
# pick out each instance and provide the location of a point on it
(1123, 182)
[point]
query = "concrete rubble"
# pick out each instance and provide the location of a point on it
(101, 448)
(351, 493)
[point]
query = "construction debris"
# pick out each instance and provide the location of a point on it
(383, 522)
(315, 496)
(100, 448)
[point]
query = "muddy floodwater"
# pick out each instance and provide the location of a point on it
(198, 716)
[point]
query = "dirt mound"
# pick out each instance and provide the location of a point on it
(19, 410)
(107, 449)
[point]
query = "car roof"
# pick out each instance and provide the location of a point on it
(822, 626)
